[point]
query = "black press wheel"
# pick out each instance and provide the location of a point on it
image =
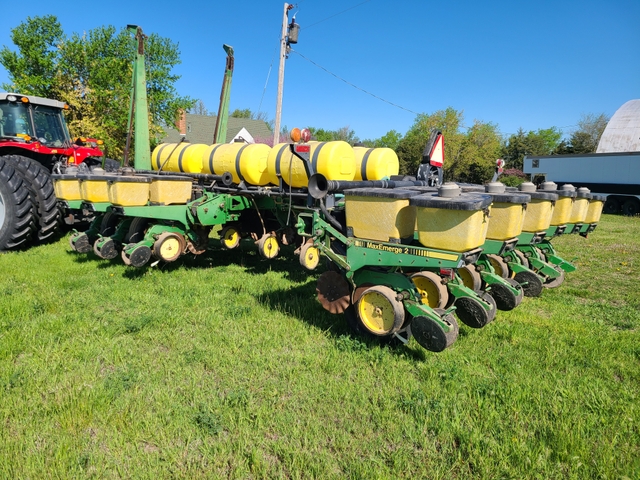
(109, 224)
(530, 282)
(472, 313)
(555, 282)
(505, 299)
(430, 335)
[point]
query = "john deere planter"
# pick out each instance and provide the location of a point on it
(403, 257)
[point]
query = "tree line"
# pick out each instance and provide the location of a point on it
(91, 72)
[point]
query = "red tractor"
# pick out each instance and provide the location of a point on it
(34, 140)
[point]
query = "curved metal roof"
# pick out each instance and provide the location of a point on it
(623, 130)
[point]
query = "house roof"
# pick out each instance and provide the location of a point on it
(200, 129)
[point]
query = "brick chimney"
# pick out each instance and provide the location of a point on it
(181, 122)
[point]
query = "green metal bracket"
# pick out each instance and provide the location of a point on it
(417, 309)
(139, 109)
(458, 290)
(220, 133)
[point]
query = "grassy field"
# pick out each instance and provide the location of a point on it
(225, 366)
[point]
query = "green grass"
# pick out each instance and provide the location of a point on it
(225, 366)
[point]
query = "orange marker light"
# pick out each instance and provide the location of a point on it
(295, 134)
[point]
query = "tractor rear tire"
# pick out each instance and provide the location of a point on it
(47, 214)
(16, 207)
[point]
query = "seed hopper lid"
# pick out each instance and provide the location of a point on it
(510, 197)
(549, 186)
(170, 178)
(129, 179)
(567, 190)
(598, 197)
(422, 189)
(471, 187)
(64, 176)
(550, 196)
(465, 201)
(584, 192)
(396, 193)
(90, 176)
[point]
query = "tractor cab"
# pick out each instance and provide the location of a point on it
(35, 127)
(27, 118)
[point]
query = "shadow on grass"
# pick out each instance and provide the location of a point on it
(300, 302)
(245, 256)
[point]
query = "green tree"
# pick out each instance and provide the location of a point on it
(586, 137)
(247, 113)
(391, 139)
(539, 142)
(411, 146)
(33, 68)
(237, 113)
(199, 108)
(478, 153)
(92, 73)
(345, 134)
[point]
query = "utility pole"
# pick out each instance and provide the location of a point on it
(284, 44)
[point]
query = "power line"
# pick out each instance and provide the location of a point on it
(267, 81)
(336, 14)
(354, 86)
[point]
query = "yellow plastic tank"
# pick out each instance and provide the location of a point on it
(594, 211)
(279, 155)
(539, 210)
(170, 189)
(564, 204)
(382, 214)
(66, 187)
(507, 212)
(452, 220)
(94, 188)
(245, 161)
(375, 163)
(580, 205)
(335, 160)
(182, 157)
(129, 191)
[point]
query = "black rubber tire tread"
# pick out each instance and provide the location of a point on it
(18, 223)
(471, 312)
(504, 298)
(136, 230)
(491, 301)
(530, 282)
(111, 165)
(611, 206)
(47, 215)
(430, 335)
(631, 207)
(520, 295)
(109, 224)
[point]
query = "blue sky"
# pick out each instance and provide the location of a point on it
(514, 63)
